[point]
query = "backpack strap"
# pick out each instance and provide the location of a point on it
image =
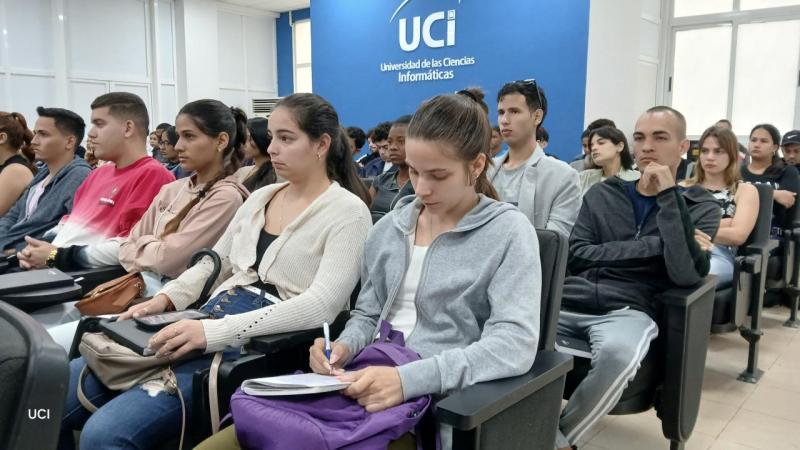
(387, 334)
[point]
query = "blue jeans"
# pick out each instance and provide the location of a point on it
(722, 259)
(137, 418)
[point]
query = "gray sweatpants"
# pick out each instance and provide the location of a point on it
(619, 341)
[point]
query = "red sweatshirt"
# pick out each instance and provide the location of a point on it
(110, 202)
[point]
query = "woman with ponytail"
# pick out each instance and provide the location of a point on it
(187, 215)
(416, 277)
(290, 260)
(16, 158)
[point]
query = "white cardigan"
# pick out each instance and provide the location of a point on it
(314, 264)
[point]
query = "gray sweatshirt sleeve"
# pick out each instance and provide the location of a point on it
(508, 342)
(362, 324)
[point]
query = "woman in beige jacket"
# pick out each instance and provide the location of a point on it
(290, 260)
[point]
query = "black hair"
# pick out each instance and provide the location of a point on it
(476, 94)
(616, 137)
(125, 106)
(533, 93)
(163, 126)
(597, 123)
(66, 121)
(172, 135)
(402, 120)
(542, 134)
(265, 174)
(726, 121)
(212, 117)
(380, 132)
(775, 170)
(316, 116)
(357, 135)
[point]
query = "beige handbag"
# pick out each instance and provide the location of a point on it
(120, 368)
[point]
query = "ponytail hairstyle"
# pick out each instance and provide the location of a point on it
(460, 122)
(315, 117)
(15, 127)
(775, 170)
(212, 117)
(476, 93)
(257, 126)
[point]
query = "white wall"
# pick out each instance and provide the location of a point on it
(625, 47)
(199, 56)
(64, 53)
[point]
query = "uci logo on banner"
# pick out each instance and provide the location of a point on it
(409, 45)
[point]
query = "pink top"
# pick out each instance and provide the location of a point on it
(110, 202)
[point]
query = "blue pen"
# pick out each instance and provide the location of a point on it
(326, 330)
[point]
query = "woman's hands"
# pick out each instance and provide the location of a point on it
(155, 305)
(319, 362)
(375, 388)
(178, 339)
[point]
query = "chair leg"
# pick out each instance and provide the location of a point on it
(753, 334)
(794, 294)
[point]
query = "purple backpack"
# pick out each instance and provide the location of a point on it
(330, 420)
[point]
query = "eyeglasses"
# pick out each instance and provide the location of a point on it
(531, 82)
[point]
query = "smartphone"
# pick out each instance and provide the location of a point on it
(158, 321)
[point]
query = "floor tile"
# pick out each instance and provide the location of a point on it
(775, 402)
(762, 432)
(714, 417)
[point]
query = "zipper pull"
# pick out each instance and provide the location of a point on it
(638, 232)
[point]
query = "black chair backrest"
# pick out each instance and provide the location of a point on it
(34, 375)
(553, 255)
(761, 230)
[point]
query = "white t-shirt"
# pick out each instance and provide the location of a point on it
(403, 313)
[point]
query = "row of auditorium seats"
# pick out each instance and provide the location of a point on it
(514, 413)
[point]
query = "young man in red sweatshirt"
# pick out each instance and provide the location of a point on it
(114, 197)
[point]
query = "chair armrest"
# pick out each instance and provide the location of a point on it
(280, 342)
(759, 249)
(687, 296)
(685, 326)
(472, 406)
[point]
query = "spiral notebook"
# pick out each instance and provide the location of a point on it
(298, 384)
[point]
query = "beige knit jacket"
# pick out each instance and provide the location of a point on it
(314, 264)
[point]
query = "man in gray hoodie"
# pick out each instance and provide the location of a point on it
(57, 133)
(632, 240)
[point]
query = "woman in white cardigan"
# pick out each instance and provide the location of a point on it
(290, 260)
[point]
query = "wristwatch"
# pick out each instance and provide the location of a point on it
(51, 258)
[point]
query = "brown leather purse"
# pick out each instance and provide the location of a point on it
(112, 297)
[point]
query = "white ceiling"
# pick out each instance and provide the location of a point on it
(271, 5)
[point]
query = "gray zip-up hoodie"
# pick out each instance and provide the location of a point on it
(477, 301)
(55, 202)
